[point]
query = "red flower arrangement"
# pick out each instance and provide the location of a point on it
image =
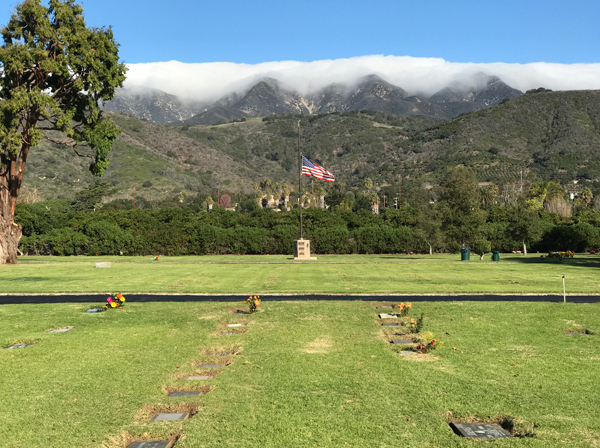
(425, 347)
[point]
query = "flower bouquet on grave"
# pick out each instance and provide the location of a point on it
(117, 302)
(156, 258)
(416, 325)
(253, 302)
(425, 347)
(404, 308)
(428, 342)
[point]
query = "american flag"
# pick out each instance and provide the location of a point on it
(314, 170)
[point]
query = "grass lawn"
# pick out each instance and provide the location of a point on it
(306, 374)
(335, 274)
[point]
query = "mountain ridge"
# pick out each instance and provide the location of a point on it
(270, 96)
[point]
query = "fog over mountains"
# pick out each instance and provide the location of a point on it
(270, 96)
(174, 91)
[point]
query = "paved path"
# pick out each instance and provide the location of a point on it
(101, 298)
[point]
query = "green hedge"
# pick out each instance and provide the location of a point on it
(53, 228)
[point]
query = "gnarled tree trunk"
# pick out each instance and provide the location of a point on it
(10, 233)
(11, 175)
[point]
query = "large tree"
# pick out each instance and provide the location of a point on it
(459, 206)
(53, 72)
(524, 225)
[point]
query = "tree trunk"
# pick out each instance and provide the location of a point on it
(10, 232)
(430, 249)
(524, 249)
(481, 257)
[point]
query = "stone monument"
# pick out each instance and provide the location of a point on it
(302, 250)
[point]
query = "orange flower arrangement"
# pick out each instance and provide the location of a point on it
(253, 302)
(404, 308)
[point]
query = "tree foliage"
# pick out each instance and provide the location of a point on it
(55, 71)
(461, 216)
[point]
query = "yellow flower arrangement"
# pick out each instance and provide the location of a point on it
(253, 302)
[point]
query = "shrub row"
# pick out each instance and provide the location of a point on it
(52, 228)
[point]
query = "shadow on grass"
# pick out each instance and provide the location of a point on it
(32, 279)
(589, 261)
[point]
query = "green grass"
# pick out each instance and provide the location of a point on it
(334, 274)
(309, 374)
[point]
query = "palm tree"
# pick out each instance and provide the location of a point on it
(546, 191)
(489, 196)
(374, 199)
(285, 189)
(257, 192)
(209, 203)
(277, 189)
(305, 199)
(320, 191)
(266, 187)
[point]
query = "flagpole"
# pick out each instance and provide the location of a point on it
(299, 179)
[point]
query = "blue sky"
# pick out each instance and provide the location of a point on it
(251, 32)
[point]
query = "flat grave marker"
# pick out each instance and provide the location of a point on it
(220, 354)
(388, 316)
(480, 430)
(238, 313)
(393, 324)
(95, 310)
(234, 325)
(401, 341)
(384, 307)
(198, 377)
(407, 352)
(16, 346)
(151, 444)
(169, 416)
(59, 330)
(209, 366)
(233, 332)
(103, 265)
(184, 393)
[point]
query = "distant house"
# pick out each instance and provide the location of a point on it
(573, 189)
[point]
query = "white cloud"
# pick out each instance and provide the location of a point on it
(425, 76)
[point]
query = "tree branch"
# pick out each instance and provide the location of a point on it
(71, 143)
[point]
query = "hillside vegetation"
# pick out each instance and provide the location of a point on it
(554, 135)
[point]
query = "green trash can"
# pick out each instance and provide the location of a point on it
(495, 255)
(465, 254)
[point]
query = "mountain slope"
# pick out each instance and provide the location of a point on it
(482, 90)
(151, 104)
(555, 135)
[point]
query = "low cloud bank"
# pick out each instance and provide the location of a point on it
(419, 76)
